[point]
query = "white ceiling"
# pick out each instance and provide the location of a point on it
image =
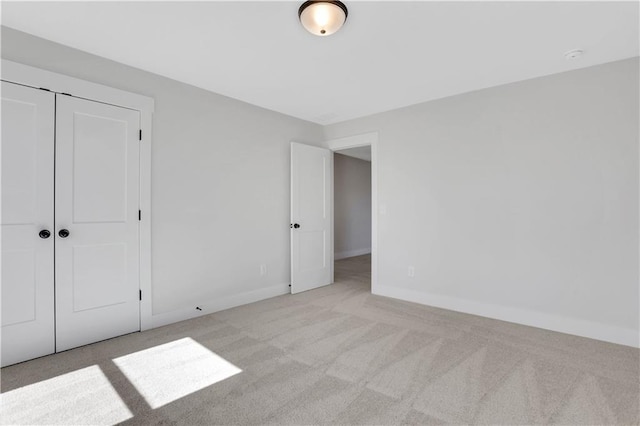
(361, 152)
(388, 54)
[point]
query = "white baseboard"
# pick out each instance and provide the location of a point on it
(578, 327)
(351, 253)
(215, 305)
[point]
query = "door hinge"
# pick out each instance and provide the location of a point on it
(140, 135)
(139, 214)
(140, 294)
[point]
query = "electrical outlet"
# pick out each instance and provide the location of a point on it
(263, 269)
(411, 272)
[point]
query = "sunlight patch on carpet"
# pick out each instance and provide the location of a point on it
(80, 397)
(165, 373)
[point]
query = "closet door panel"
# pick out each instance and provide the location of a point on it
(27, 208)
(97, 192)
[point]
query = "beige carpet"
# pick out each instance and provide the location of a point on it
(333, 355)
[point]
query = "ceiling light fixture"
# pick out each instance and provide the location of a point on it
(322, 17)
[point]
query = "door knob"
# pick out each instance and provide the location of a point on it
(64, 233)
(296, 225)
(44, 234)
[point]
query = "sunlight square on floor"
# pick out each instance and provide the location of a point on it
(83, 396)
(167, 372)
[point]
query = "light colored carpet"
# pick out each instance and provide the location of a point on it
(333, 355)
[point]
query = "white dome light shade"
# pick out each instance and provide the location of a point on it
(322, 18)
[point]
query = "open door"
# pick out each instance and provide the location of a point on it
(311, 217)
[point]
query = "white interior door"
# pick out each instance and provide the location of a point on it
(97, 193)
(311, 217)
(27, 211)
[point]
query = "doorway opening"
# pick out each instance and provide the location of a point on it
(367, 142)
(312, 228)
(352, 216)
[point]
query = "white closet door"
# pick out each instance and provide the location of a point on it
(311, 217)
(97, 188)
(27, 209)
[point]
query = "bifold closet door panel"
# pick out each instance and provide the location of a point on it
(27, 223)
(97, 193)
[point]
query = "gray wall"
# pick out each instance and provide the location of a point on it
(352, 206)
(517, 202)
(220, 178)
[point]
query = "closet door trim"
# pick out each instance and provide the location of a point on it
(25, 75)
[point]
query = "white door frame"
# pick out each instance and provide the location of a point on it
(365, 139)
(41, 79)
